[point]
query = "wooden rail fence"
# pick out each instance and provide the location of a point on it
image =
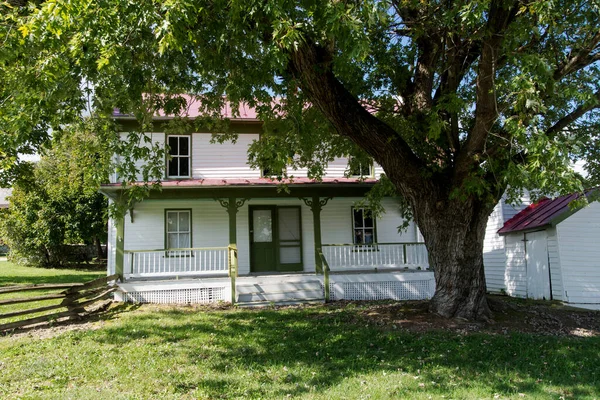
(76, 296)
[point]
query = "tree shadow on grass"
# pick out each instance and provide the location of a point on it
(275, 346)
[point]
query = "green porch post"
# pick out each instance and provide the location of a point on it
(316, 204)
(120, 250)
(232, 205)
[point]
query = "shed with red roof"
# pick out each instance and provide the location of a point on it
(553, 250)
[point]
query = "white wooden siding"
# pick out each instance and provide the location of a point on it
(230, 160)
(554, 264)
(494, 254)
(226, 160)
(515, 274)
(495, 251)
(578, 239)
(509, 210)
(378, 170)
(336, 223)
(155, 137)
(210, 224)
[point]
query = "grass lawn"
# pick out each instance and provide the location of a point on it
(12, 274)
(319, 352)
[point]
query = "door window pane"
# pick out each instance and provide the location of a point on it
(290, 255)
(262, 225)
(289, 223)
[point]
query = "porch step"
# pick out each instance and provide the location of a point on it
(280, 303)
(279, 293)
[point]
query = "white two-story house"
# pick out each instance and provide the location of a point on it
(220, 230)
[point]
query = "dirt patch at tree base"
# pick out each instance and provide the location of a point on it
(510, 315)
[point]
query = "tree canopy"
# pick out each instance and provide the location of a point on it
(59, 203)
(457, 101)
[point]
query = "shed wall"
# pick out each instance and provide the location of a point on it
(515, 274)
(578, 245)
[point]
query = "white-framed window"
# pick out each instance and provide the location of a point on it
(360, 170)
(178, 165)
(178, 229)
(363, 226)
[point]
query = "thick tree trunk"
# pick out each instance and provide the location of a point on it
(452, 222)
(454, 232)
(99, 250)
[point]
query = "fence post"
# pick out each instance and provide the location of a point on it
(120, 245)
(233, 271)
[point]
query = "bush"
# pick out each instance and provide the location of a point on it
(58, 206)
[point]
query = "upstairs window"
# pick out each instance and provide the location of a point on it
(267, 172)
(363, 226)
(360, 170)
(179, 151)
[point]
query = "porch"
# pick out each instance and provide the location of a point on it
(217, 261)
(174, 243)
(376, 271)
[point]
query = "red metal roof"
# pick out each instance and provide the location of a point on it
(241, 112)
(254, 182)
(540, 214)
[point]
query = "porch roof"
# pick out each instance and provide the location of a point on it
(253, 187)
(211, 182)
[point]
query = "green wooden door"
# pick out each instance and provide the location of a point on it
(289, 239)
(263, 246)
(275, 239)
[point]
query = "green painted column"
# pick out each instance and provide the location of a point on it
(120, 250)
(316, 210)
(316, 205)
(232, 205)
(232, 211)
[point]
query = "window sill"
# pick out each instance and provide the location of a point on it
(178, 255)
(359, 248)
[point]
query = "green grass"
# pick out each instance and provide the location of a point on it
(12, 274)
(317, 352)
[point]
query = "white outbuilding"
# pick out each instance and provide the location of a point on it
(552, 252)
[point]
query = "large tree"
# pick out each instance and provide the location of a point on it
(456, 100)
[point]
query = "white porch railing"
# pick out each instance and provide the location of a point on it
(176, 262)
(376, 255)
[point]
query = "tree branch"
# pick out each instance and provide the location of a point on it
(486, 112)
(582, 59)
(573, 116)
(311, 65)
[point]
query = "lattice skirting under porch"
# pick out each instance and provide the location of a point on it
(178, 296)
(382, 290)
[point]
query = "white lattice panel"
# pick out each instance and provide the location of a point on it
(382, 290)
(177, 296)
